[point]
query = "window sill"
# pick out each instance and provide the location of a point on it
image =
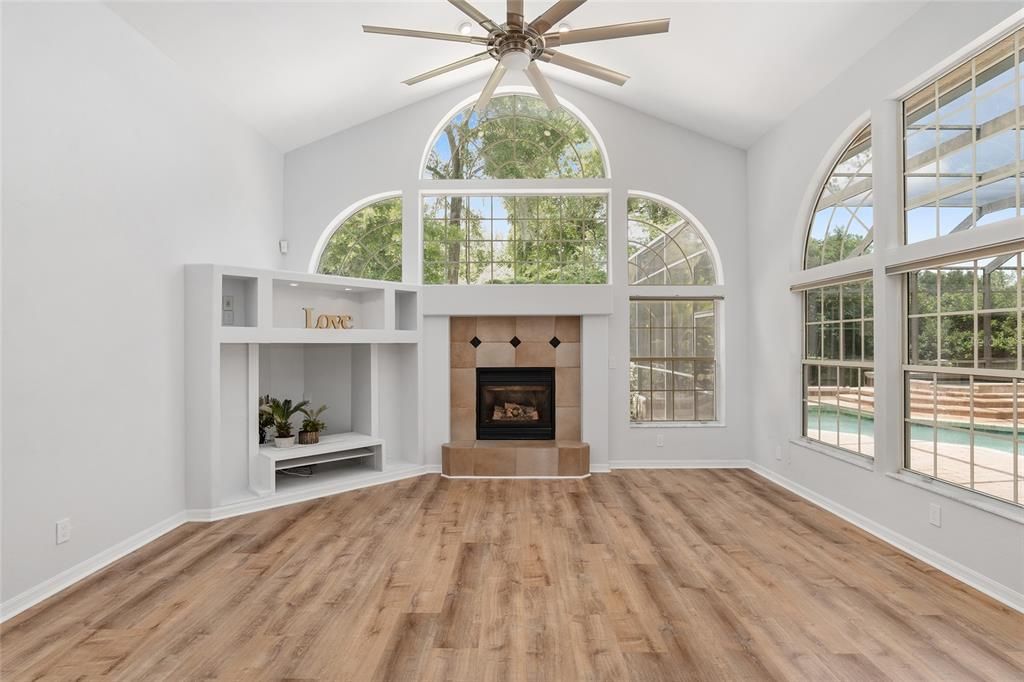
(677, 425)
(862, 461)
(1007, 510)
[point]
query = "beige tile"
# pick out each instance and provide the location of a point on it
(567, 355)
(567, 423)
(567, 387)
(463, 424)
(535, 328)
(567, 329)
(462, 328)
(463, 354)
(463, 388)
(495, 354)
(534, 443)
(457, 461)
(537, 462)
(495, 328)
(494, 462)
(535, 354)
(574, 461)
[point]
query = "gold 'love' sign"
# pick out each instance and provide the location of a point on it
(327, 321)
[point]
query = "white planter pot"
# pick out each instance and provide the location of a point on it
(284, 442)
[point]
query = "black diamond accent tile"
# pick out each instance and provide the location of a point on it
(476, 342)
(515, 341)
(555, 343)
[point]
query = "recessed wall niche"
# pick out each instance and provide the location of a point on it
(365, 306)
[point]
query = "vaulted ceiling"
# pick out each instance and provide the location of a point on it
(298, 72)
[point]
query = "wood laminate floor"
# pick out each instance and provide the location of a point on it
(638, 575)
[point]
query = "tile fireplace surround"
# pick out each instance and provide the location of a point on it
(526, 341)
(515, 342)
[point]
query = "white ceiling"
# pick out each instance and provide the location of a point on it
(298, 72)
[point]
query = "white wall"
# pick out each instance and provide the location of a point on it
(706, 177)
(116, 172)
(783, 170)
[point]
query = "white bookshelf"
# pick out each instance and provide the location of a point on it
(368, 375)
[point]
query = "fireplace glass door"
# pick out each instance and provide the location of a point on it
(515, 403)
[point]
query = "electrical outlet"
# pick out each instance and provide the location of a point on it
(63, 531)
(660, 441)
(935, 515)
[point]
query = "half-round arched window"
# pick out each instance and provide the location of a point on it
(665, 247)
(367, 244)
(842, 225)
(517, 136)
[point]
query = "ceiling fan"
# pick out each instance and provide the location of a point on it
(517, 45)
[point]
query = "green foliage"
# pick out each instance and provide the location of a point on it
(312, 422)
(282, 412)
(836, 246)
(368, 244)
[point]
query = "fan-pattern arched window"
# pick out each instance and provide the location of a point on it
(517, 136)
(665, 247)
(843, 222)
(367, 244)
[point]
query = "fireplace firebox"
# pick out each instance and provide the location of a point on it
(515, 403)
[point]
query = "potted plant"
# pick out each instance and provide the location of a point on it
(312, 425)
(266, 417)
(283, 411)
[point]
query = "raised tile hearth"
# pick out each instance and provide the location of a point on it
(515, 458)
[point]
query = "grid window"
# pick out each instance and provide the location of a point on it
(843, 222)
(672, 365)
(367, 244)
(515, 239)
(838, 366)
(964, 382)
(962, 146)
(517, 136)
(665, 247)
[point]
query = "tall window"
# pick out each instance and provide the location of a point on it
(962, 146)
(516, 137)
(515, 239)
(672, 363)
(838, 366)
(963, 373)
(665, 247)
(843, 222)
(367, 244)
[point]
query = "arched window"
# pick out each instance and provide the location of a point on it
(665, 247)
(516, 137)
(367, 244)
(842, 226)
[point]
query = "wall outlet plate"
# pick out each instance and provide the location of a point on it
(935, 514)
(660, 440)
(63, 531)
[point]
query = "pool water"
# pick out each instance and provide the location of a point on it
(848, 424)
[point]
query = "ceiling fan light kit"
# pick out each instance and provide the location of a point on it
(517, 45)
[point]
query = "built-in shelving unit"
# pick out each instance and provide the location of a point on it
(253, 332)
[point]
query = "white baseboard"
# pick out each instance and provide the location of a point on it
(84, 569)
(274, 501)
(679, 464)
(998, 591)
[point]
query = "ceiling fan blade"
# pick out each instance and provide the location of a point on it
(410, 33)
(554, 14)
(489, 87)
(587, 35)
(541, 85)
(584, 67)
(476, 15)
(515, 14)
(448, 67)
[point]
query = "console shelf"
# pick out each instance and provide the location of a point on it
(331, 448)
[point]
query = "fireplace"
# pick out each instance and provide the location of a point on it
(515, 403)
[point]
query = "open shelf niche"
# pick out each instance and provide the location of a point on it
(368, 376)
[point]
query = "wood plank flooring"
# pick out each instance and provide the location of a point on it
(638, 575)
